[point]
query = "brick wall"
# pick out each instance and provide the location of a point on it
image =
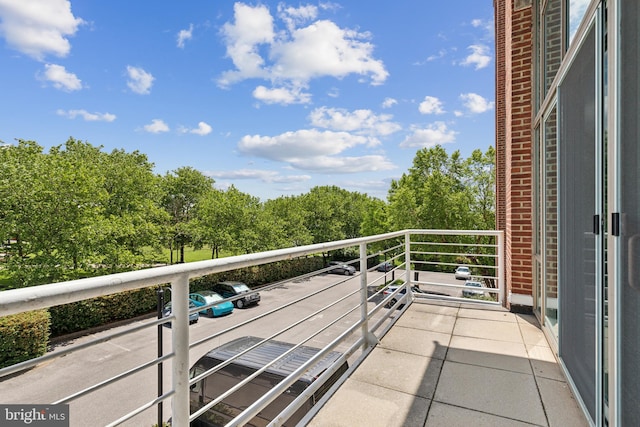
(514, 111)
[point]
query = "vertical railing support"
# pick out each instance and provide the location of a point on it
(501, 282)
(160, 306)
(407, 259)
(180, 331)
(368, 338)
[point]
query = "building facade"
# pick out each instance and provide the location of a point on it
(568, 180)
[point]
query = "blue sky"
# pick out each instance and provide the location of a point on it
(272, 97)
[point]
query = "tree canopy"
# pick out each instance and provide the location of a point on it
(77, 210)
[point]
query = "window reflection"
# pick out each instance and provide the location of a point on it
(577, 9)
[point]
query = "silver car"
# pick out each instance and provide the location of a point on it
(463, 273)
(341, 268)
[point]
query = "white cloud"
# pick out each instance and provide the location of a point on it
(253, 26)
(389, 102)
(261, 175)
(156, 126)
(314, 150)
(293, 56)
(475, 103)
(281, 95)
(202, 129)
(295, 16)
(328, 164)
(324, 49)
(431, 105)
(38, 28)
(185, 35)
(479, 56)
(435, 134)
(139, 81)
(359, 121)
(441, 54)
(89, 117)
(61, 78)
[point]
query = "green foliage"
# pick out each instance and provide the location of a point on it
(75, 208)
(445, 192)
(23, 336)
(182, 192)
(86, 314)
(261, 275)
(449, 193)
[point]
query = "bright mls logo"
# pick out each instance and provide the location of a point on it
(34, 415)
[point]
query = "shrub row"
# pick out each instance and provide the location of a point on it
(23, 336)
(83, 315)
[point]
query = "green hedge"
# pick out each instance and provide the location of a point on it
(100, 311)
(23, 336)
(262, 274)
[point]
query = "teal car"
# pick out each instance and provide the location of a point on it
(204, 298)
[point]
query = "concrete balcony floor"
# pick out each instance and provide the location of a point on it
(445, 364)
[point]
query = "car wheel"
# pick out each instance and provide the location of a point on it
(239, 303)
(347, 273)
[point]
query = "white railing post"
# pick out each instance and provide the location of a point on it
(180, 339)
(407, 259)
(409, 282)
(501, 281)
(368, 337)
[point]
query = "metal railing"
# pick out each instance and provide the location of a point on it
(369, 309)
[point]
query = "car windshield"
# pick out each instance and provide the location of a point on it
(210, 295)
(475, 284)
(241, 287)
(463, 269)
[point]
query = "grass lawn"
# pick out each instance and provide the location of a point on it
(190, 255)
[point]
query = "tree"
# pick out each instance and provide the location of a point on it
(287, 217)
(183, 189)
(132, 216)
(51, 203)
(446, 192)
(437, 193)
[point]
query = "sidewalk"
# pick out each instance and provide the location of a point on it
(446, 364)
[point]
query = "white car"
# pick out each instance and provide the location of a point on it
(470, 293)
(463, 273)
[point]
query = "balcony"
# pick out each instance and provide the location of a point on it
(456, 364)
(434, 354)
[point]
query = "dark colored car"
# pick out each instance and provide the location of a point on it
(391, 289)
(257, 357)
(193, 316)
(230, 289)
(339, 267)
(385, 266)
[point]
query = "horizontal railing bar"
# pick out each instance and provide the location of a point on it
(41, 297)
(451, 264)
(245, 416)
(142, 408)
(63, 352)
(264, 368)
(474, 245)
(113, 379)
(44, 296)
(222, 365)
(455, 254)
(260, 316)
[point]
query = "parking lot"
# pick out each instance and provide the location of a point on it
(61, 377)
